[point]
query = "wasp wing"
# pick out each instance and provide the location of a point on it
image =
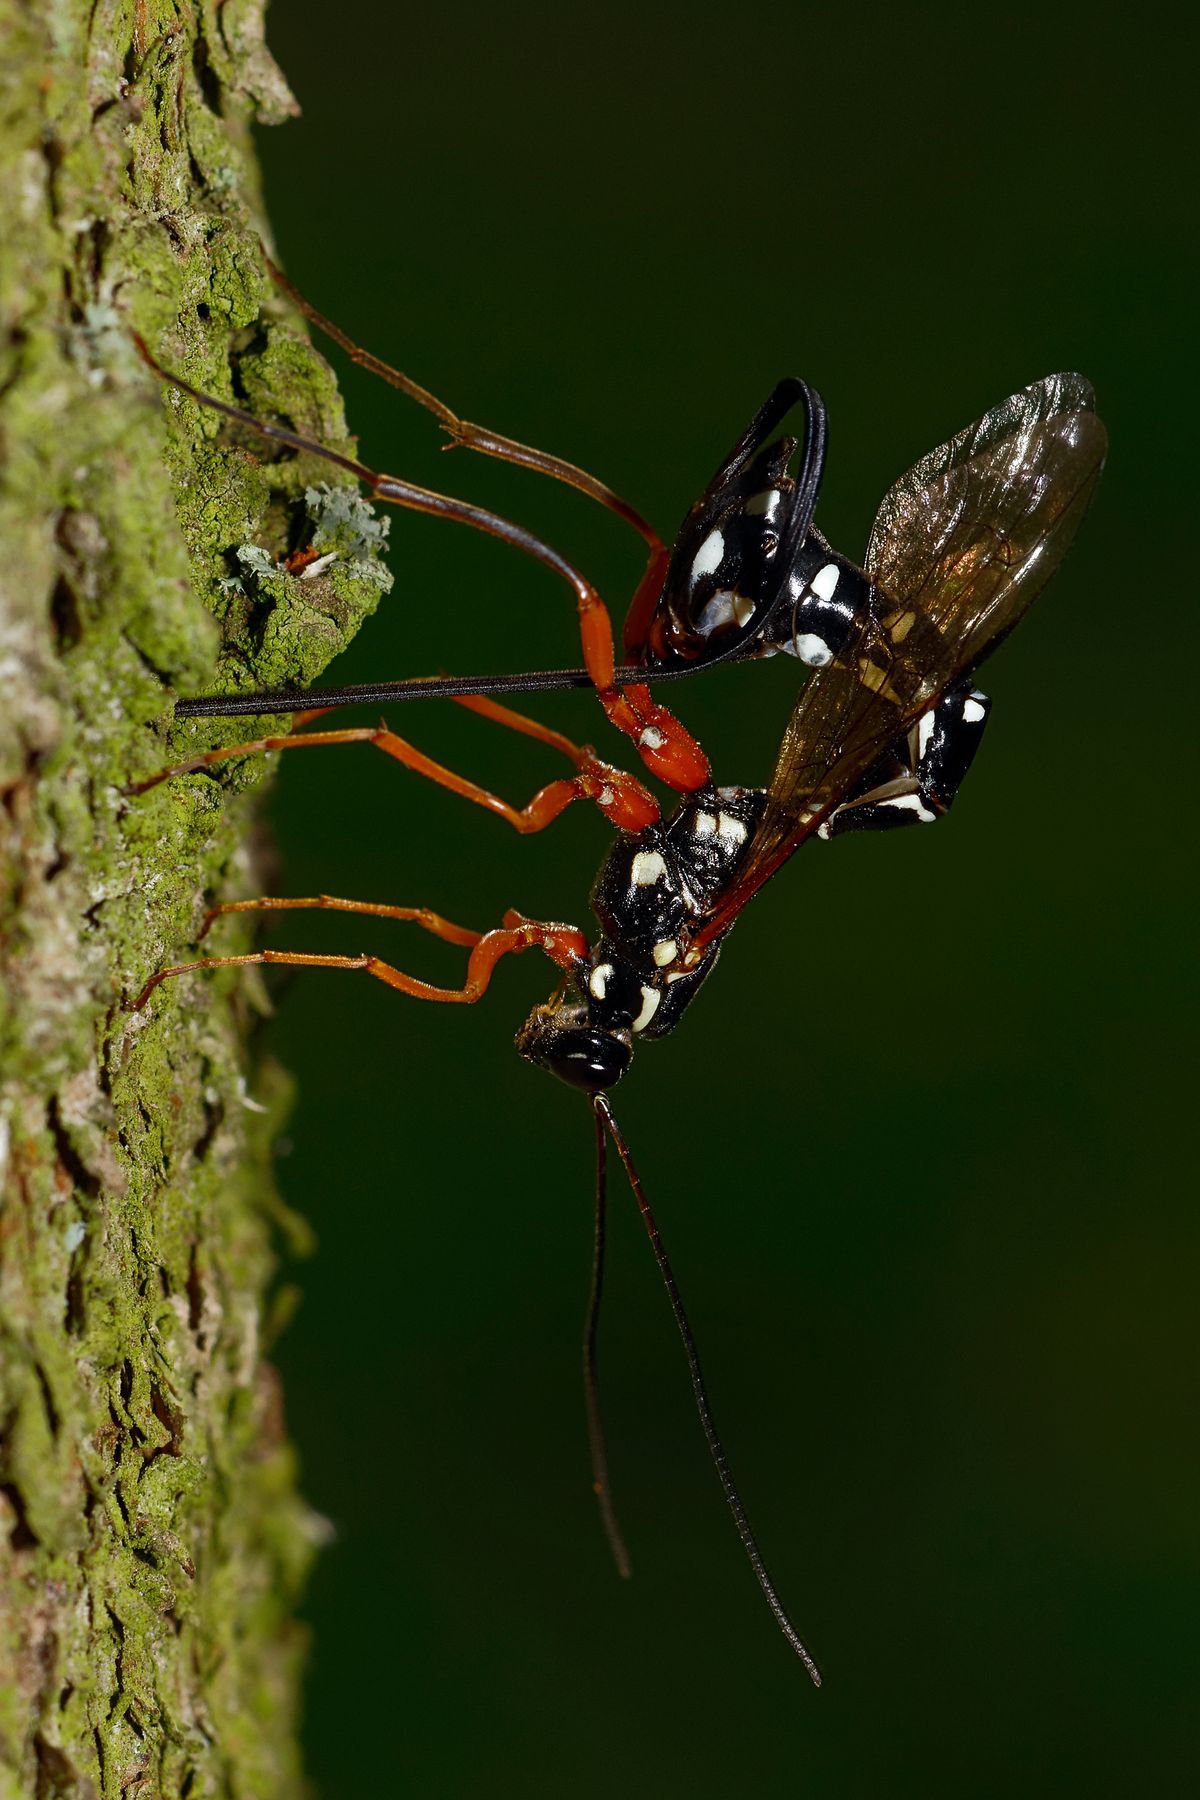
(959, 549)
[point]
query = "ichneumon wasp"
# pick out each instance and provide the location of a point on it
(881, 734)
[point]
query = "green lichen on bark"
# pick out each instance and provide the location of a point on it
(152, 1541)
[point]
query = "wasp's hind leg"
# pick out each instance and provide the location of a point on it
(917, 785)
(563, 944)
(620, 796)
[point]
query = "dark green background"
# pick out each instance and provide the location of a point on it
(923, 1153)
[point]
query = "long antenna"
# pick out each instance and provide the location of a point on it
(716, 1448)
(418, 687)
(591, 1386)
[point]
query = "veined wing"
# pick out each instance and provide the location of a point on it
(959, 549)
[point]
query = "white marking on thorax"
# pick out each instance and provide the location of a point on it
(704, 825)
(665, 952)
(652, 738)
(730, 829)
(598, 980)
(648, 867)
(824, 582)
(650, 1000)
(708, 556)
(811, 649)
(764, 503)
(973, 713)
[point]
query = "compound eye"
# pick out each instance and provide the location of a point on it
(589, 1059)
(592, 1060)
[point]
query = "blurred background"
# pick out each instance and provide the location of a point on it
(922, 1153)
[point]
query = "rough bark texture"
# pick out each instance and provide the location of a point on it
(152, 1541)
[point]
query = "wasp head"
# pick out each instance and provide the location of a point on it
(562, 1037)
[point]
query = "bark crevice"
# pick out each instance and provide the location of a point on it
(152, 1538)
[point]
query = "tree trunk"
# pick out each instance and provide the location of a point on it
(152, 1542)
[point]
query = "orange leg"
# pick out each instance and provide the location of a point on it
(582, 755)
(563, 944)
(483, 704)
(631, 709)
(416, 915)
(621, 797)
(462, 432)
(664, 745)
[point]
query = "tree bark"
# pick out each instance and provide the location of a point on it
(152, 1540)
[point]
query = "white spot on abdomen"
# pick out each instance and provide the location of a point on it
(665, 952)
(912, 803)
(648, 867)
(650, 1000)
(924, 732)
(708, 556)
(811, 649)
(825, 581)
(973, 713)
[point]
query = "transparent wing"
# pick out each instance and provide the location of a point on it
(959, 548)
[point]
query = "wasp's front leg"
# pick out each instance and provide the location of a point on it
(917, 784)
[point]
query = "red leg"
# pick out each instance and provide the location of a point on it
(621, 797)
(583, 756)
(416, 915)
(487, 708)
(391, 488)
(646, 722)
(664, 745)
(462, 432)
(563, 944)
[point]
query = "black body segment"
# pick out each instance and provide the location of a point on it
(881, 735)
(826, 598)
(728, 570)
(885, 728)
(916, 782)
(960, 548)
(651, 887)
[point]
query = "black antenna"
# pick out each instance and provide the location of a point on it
(716, 1448)
(418, 687)
(591, 1386)
(408, 494)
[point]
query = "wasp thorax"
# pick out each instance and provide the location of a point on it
(558, 1037)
